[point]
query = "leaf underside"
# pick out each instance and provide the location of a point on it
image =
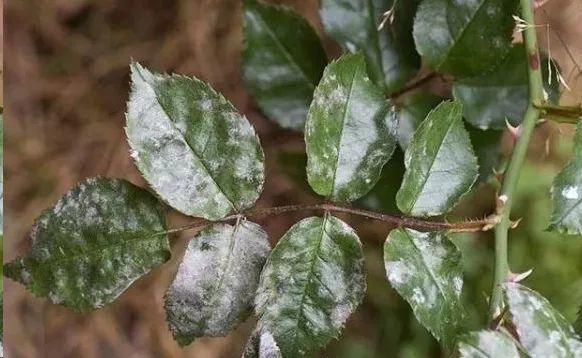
(196, 151)
(425, 269)
(543, 331)
(464, 38)
(487, 344)
(215, 285)
(92, 244)
(390, 54)
(313, 280)
(350, 132)
(440, 164)
(567, 193)
(282, 62)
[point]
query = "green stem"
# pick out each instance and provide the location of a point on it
(517, 158)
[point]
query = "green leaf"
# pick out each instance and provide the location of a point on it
(261, 344)
(487, 344)
(425, 269)
(92, 244)
(390, 53)
(491, 98)
(282, 62)
(412, 112)
(542, 330)
(216, 282)
(487, 145)
(313, 280)
(578, 323)
(196, 151)
(440, 163)
(350, 132)
(464, 38)
(567, 193)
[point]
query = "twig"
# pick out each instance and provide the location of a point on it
(399, 220)
(518, 154)
(414, 85)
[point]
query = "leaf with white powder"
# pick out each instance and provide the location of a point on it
(261, 344)
(425, 269)
(313, 280)
(215, 285)
(92, 244)
(487, 344)
(350, 131)
(542, 330)
(567, 193)
(196, 151)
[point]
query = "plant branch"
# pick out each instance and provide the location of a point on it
(517, 158)
(399, 220)
(414, 85)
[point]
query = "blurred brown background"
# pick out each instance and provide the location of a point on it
(66, 84)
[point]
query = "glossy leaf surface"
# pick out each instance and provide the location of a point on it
(282, 62)
(215, 285)
(425, 269)
(567, 193)
(390, 53)
(440, 164)
(491, 98)
(92, 244)
(487, 344)
(196, 151)
(313, 280)
(542, 330)
(350, 132)
(261, 344)
(412, 112)
(464, 38)
(487, 146)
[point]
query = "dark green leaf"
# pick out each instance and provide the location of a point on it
(197, 152)
(350, 132)
(567, 193)
(412, 112)
(86, 250)
(487, 145)
(282, 62)
(313, 280)
(383, 196)
(216, 282)
(425, 269)
(491, 98)
(390, 53)
(440, 163)
(487, 344)
(261, 344)
(542, 330)
(578, 323)
(464, 38)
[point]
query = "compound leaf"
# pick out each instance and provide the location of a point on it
(196, 151)
(215, 285)
(440, 163)
(542, 330)
(313, 280)
(567, 193)
(487, 344)
(490, 99)
(425, 269)
(391, 57)
(282, 62)
(92, 244)
(350, 131)
(464, 38)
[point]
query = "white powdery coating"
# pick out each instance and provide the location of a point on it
(216, 281)
(542, 330)
(489, 344)
(570, 193)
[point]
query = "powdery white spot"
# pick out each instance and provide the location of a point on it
(570, 193)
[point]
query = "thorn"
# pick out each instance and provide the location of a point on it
(498, 175)
(514, 131)
(515, 224)
(547, 147)
(519, 276)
